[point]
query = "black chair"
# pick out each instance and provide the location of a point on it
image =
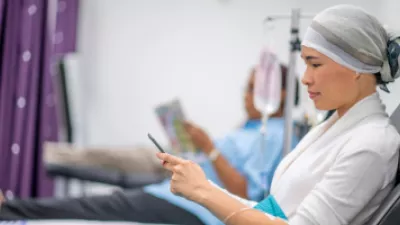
(389, 212)
(105, 176)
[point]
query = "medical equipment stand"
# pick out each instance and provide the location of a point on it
(291, 79)
(291, 76)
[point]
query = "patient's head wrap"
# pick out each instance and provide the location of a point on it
(357, 40)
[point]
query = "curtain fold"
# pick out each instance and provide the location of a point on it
(28, 110)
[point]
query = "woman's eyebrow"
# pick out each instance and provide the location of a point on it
(309, 57)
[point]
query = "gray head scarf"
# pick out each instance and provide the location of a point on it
(357, 40)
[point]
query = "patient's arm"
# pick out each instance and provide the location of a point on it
(233, 181)
(230, 177)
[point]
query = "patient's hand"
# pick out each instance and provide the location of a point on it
(188, 179)
(199, 137)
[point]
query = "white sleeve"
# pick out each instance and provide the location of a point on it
(242, 200)
(354, 179)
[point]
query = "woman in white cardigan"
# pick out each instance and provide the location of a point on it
(343, 169)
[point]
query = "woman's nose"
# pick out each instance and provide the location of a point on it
(307, 78)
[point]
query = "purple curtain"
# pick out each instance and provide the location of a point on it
(65, 34)
(28, 110)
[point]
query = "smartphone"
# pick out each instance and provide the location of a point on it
(155, 143)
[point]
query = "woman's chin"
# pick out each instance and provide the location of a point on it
(321, 106)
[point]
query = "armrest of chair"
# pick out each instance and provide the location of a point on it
(102, 175)
(388, 212)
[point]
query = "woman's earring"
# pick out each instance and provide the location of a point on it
(358, 75)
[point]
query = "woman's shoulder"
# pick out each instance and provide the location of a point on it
(377, 128)
(376, 135)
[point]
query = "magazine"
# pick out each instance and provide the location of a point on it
(172, 117)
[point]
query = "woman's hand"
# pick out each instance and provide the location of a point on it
(199, 137)
(188, 179)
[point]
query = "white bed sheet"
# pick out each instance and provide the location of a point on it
(68, 222)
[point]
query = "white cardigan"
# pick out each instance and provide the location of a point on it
(342, 170)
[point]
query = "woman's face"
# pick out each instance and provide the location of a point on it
(330, 85)
(251, 110)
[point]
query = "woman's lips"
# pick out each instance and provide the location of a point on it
(313, 95)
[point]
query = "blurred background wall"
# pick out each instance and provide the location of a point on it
(135, 54)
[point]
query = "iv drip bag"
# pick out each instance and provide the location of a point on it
(268, 83)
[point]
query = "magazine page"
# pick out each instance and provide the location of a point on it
(172, 117)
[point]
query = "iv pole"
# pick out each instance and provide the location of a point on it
(295, 17)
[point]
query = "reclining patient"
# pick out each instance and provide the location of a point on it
(235, 162)
(142, 159)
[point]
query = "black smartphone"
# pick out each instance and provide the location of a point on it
(155, 143)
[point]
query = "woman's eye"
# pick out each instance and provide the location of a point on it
(315, 65)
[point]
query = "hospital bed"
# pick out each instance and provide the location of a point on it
(102, 175)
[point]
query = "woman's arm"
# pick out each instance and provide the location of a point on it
(189, 180)
(222, 205)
